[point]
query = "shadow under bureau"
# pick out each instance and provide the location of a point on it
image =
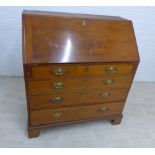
(76, 67)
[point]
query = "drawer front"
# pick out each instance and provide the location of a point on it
(57, 115)
(76, 98)
(62, 71)
(66, 85)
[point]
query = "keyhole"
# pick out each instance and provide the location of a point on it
(86, 69)
(84, 23)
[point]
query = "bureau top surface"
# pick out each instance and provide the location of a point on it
(50, 37)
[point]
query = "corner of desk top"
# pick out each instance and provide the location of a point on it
(67, 14)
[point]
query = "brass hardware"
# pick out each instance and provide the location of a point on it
(103, 109)
(59, 71)
(105, 94)
(85, 80)
(57, 114)
(86, 69)
(58, 85)
(108, 82)
(57, 100)
(111, 69)
(82, 93)
(84, 23)
(81, 108)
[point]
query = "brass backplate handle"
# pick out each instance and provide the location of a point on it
(82, 108)
(58, 85)
(56, 100)
(103, 109)
(86, 68)
(59, 71)
(57, 114)
(108, 82)
(105, 94)
(111, 69)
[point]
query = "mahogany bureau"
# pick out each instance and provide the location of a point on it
(76, 67)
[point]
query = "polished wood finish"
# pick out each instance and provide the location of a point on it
(39, 117)
(82, 97)
(117, 120)
(78, 84)
(32, 133)
(43, 72)
(39, 128)
(99, 40)
(76, 67)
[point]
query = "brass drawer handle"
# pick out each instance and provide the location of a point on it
(56, 100)
(111, 69)
(105, 94)
(58, 85)
(103, 109)
(59, 71)
(86, 69)
(82, 109)
(108, 82)
(57, 114)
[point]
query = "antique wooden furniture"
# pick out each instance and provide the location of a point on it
(76, 67)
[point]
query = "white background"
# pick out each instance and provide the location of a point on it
(143, 19)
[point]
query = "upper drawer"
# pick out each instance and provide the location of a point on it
(67, 85)
(63, 71)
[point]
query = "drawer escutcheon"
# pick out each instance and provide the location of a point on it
(84, 23)
(82, 93)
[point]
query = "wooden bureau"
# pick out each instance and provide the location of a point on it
(76, 67)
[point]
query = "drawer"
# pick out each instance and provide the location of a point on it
(39, 117)
(59, 71)
(66, 85)
(76, 98)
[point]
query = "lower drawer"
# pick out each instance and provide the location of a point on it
(40, 117)
(57, 100)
